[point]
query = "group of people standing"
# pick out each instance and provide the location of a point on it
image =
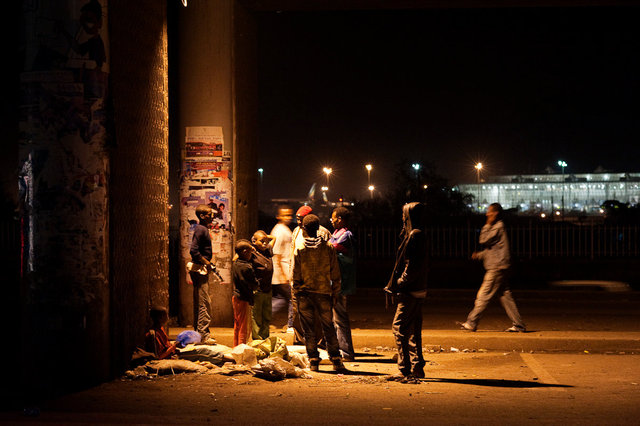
(310, 272)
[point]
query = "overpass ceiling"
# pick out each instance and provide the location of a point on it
(328, 5)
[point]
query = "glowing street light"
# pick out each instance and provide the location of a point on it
(562, 164)
(327, 171)
(371, 188)
(478, 167)
(368, 167)
(324, 188)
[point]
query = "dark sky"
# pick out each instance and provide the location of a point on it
(517, 89)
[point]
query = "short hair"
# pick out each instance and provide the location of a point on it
(498, 208)
(157, 313)
(343, 213)
(258, 235)
(311, 224)
(242, 245)
(202, 209)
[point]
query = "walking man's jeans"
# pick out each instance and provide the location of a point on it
(282, 295)
(343, 327)
(308, 304)
(201, 304)
(494, 280)
(261, 318)
(407, 329)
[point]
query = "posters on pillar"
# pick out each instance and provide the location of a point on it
(64, 163)
(206, 179)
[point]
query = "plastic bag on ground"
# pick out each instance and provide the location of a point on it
(299, 360)
(276, 369)
(173, 366)
(188, 336)
(244, 354)
(270, 347)
(212, 354)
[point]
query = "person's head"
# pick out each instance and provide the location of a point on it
(301, 213)
(204, 214)
(221, 206)
(91, 17)
(244, 249)
(159, 316)
(260, 240)
(285, 215)
(413, 216)
(494, 213)
(311, 224)
(340, 217)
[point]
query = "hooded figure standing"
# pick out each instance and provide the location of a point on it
(408, 284)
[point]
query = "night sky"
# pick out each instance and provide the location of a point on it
(517, 89)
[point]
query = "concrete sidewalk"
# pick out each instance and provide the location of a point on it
(558, 321)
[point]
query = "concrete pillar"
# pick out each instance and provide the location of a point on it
(216, 87)
(63, 177)
(139, 175)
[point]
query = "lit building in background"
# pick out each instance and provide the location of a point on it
(534, 194)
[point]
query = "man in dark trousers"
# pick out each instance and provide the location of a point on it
(201, 255)
(408, 284)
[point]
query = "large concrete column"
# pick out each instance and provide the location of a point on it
(139, 171)
(206, 90)
(64, 170)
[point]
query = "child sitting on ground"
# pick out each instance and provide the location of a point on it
(156, 340)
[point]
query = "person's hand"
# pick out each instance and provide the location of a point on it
(475, 255)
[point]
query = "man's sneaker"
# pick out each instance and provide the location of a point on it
(465, 326)
(395, 378)
(348, 359)
(209, 341)
(515, 329)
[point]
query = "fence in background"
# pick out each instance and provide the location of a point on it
(589, 241)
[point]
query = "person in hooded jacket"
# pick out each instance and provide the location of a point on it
(408, 285)
(316, 285)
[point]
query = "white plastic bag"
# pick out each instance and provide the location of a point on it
(244, 354)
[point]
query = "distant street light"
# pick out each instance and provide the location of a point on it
(416, 168)
(478, 167)
(563, 165)
(327, 171)
(368, 167)
(371, 188)
(261, 171)
(324, 188)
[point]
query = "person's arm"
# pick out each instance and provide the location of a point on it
(414, 257)
(170, 350)
(490, 235)
(272, 242)
(249, 277)
(296, 270)
(194, 250)
(334, 271)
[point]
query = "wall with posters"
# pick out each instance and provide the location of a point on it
(207, 179)
(63, 182)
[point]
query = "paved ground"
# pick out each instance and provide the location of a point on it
(557, 321)
(579, 364)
